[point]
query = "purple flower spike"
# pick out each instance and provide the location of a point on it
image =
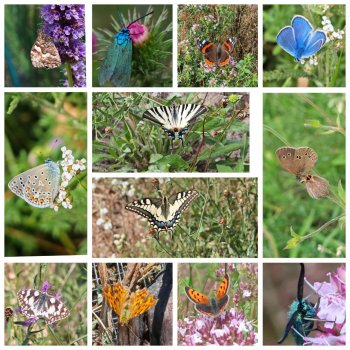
(46, 286)
(30, 321)
(65, 24)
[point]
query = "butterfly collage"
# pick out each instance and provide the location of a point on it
(174, 174)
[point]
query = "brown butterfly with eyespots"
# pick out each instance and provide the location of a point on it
(299, 161)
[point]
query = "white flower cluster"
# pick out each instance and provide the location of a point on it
(331, 33)
(71, 167)
(103, 220)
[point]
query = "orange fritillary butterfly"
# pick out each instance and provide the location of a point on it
(126, 305)
(211, 307)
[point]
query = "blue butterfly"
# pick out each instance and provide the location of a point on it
(116, 67)
(300, 40)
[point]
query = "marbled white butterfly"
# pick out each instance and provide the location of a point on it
(44, 53)
(37, 304)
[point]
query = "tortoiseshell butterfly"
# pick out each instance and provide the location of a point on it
(211, 307)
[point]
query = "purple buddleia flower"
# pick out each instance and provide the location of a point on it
(65, 24)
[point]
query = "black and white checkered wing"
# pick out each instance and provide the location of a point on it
(36, 304)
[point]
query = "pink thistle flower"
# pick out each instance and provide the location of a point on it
(138, 33)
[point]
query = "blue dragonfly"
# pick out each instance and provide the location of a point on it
(300, 39)
(116, 67)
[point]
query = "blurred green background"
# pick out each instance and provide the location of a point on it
(37, 125)
(152, 62)
(67, 279)
(280, 290)
(286, 202)
(280, 69)
(21, 25)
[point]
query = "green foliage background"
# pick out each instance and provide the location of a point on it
(286, 202)
(37, 125)
(151, 62)
(70, 280)
(125, 142)
(280, 69)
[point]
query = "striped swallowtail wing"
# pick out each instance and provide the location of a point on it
(175, 119)
(163, 213)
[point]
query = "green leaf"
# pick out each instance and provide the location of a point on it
(173, 163)
(13, 104)
(292, 243)
(155, 158)
(224, 168)
(220, 151)
(341, 191)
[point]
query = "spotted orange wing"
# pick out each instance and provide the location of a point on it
(196, 297)
(223, 287)
(141, 301)
(116, 297)
(126, 305)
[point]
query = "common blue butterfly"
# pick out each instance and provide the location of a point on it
(38, 186)
(116, 67)
(300, 39)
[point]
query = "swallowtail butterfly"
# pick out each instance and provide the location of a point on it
(37, 304)
(44, 53)
(175, 119)
(163, 213)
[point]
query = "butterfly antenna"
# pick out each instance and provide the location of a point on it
(147, 14)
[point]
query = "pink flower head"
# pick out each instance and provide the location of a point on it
(138, 33)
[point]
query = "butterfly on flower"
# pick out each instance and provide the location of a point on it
(36, 304)
(211, 307)
(44, 53)
(128, 305)
(38, 186)
(116, 67)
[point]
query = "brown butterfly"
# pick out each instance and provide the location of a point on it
(212, 307)
(44, 53)
(299, 161)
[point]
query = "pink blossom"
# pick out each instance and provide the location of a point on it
(138, 33)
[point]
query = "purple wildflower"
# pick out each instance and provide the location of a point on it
(30, 321)
(229, 328)
(65, 24)
(46, 286)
